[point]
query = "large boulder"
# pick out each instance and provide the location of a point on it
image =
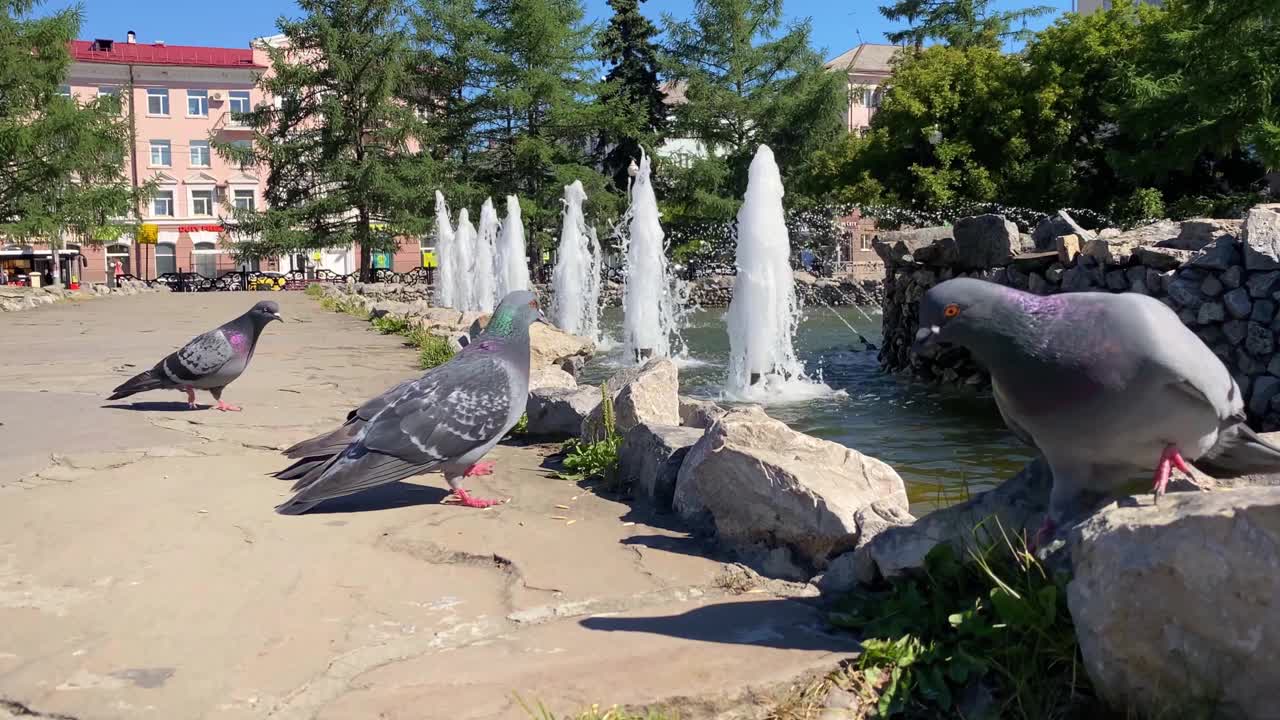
(559, 412)
(1054, 227)
(551, 376)
(985, 241)
(650, 459)
(1261, 238)
(753, 480)
(1175, 605)
(931, 245)
(1196, 233)
(550, 345)
(649, 394)
(695, 413)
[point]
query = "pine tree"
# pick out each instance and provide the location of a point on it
(959, 23)
(61, 160)
(341, 146)
(637, 112)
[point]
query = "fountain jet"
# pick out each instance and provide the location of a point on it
(764, 312)
(651, 316)
(576, 276)
(464, 256)
(484, 279)
(512, 265)
(446, 263)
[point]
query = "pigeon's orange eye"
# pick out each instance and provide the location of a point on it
(951, 311)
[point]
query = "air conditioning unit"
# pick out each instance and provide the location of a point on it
(216, 96)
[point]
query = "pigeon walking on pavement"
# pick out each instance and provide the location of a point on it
(445, 420)
(1102, 385)
(209, 362)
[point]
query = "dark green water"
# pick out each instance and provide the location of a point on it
(944, 444)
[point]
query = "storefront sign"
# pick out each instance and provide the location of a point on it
(200, 228)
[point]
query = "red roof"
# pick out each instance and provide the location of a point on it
(122, 53)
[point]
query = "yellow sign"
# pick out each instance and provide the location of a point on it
(315, 256)
(428, 259)
(148, 233)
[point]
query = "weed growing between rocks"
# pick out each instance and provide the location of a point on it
(433, 350)
(315, 290)
(595, 460)
(540, 712)
(991, 637)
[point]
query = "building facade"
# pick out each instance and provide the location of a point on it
(867, 69)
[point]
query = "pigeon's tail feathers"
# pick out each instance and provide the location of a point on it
(142, 382)
(327, 444)
(344, 475)
(301, 468)
(1240, 451)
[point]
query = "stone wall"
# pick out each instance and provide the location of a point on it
(16, 297)
(1222, 277)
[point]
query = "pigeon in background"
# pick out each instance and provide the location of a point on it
(1102, 385)
(446, 420)
(209, 362)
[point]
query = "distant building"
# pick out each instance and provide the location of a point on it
(867, 68)
(1085, 7)
(680, 150)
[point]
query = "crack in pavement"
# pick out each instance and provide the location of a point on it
(17, 709)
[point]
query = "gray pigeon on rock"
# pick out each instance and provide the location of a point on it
(445, 420)
(1103, 385)
(209, 362)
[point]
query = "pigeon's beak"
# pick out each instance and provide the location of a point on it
(926, 340)
(277, 316)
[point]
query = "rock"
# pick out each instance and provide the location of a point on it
(1233, 276)
(552, 346)
(1079, 279)
(695, 413)
(559, 412)
(1117, 281)
(1209, 334)
(1237, 303)
(1264, 311)
(1018, 505)
(1235, 330)
(1199, 232)
(1211, 313)
(1188, 316)
(1261, 238)
(1247, 363)
(903, 246)
(1258, 341)
(1218, 255)
(1038, 285)
(1054, 273)
(649, 393)
(1264, 388)
(1056, 226)
(1261, 285)
(1116, 251)
(1161, 232)
(1186, 293)
(1068, 247)
(753, 479)
(1162, 258)
(650, 459)
(1205, 565)
(1033, 261)
(546, 378)
(1211, 286)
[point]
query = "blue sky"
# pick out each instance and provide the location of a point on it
(837, 24)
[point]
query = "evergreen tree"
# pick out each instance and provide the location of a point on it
(959, 23)
(637, 112)
(536, 119)
(341, 146)
(61, 161)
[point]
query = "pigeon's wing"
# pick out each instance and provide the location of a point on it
(200, 358)
(446, 413)
(1013, 426)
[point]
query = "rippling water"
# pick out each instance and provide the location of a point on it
(944, 444)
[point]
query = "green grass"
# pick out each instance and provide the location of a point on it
(433, 350)
(998, 621)
(597, 460)
(315, 290)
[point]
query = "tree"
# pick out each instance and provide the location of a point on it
(63, 161)
(637, 111)
(535, 117)
(341, 146)
(748, 80)
(960, 23)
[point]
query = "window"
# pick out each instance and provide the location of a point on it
(244, 199)
(201, 202)
(118, 253)
(249, 266)
(166, 259)
(157, 101)
(108, 91)
(204, 256)
(161, 153)
(197, 103)
(64, 91)
(199, 153)
(865, 241)
(162, 204)
(239, 105)
(243, 145)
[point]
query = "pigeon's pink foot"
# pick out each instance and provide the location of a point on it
(1042, 535)
(468, 501)
(191, 398)
(223, 407)
(484, 467)
(1169, 459)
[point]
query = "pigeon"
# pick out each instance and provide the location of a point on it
(1102, 385)
(209, 362)
(445, 420)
